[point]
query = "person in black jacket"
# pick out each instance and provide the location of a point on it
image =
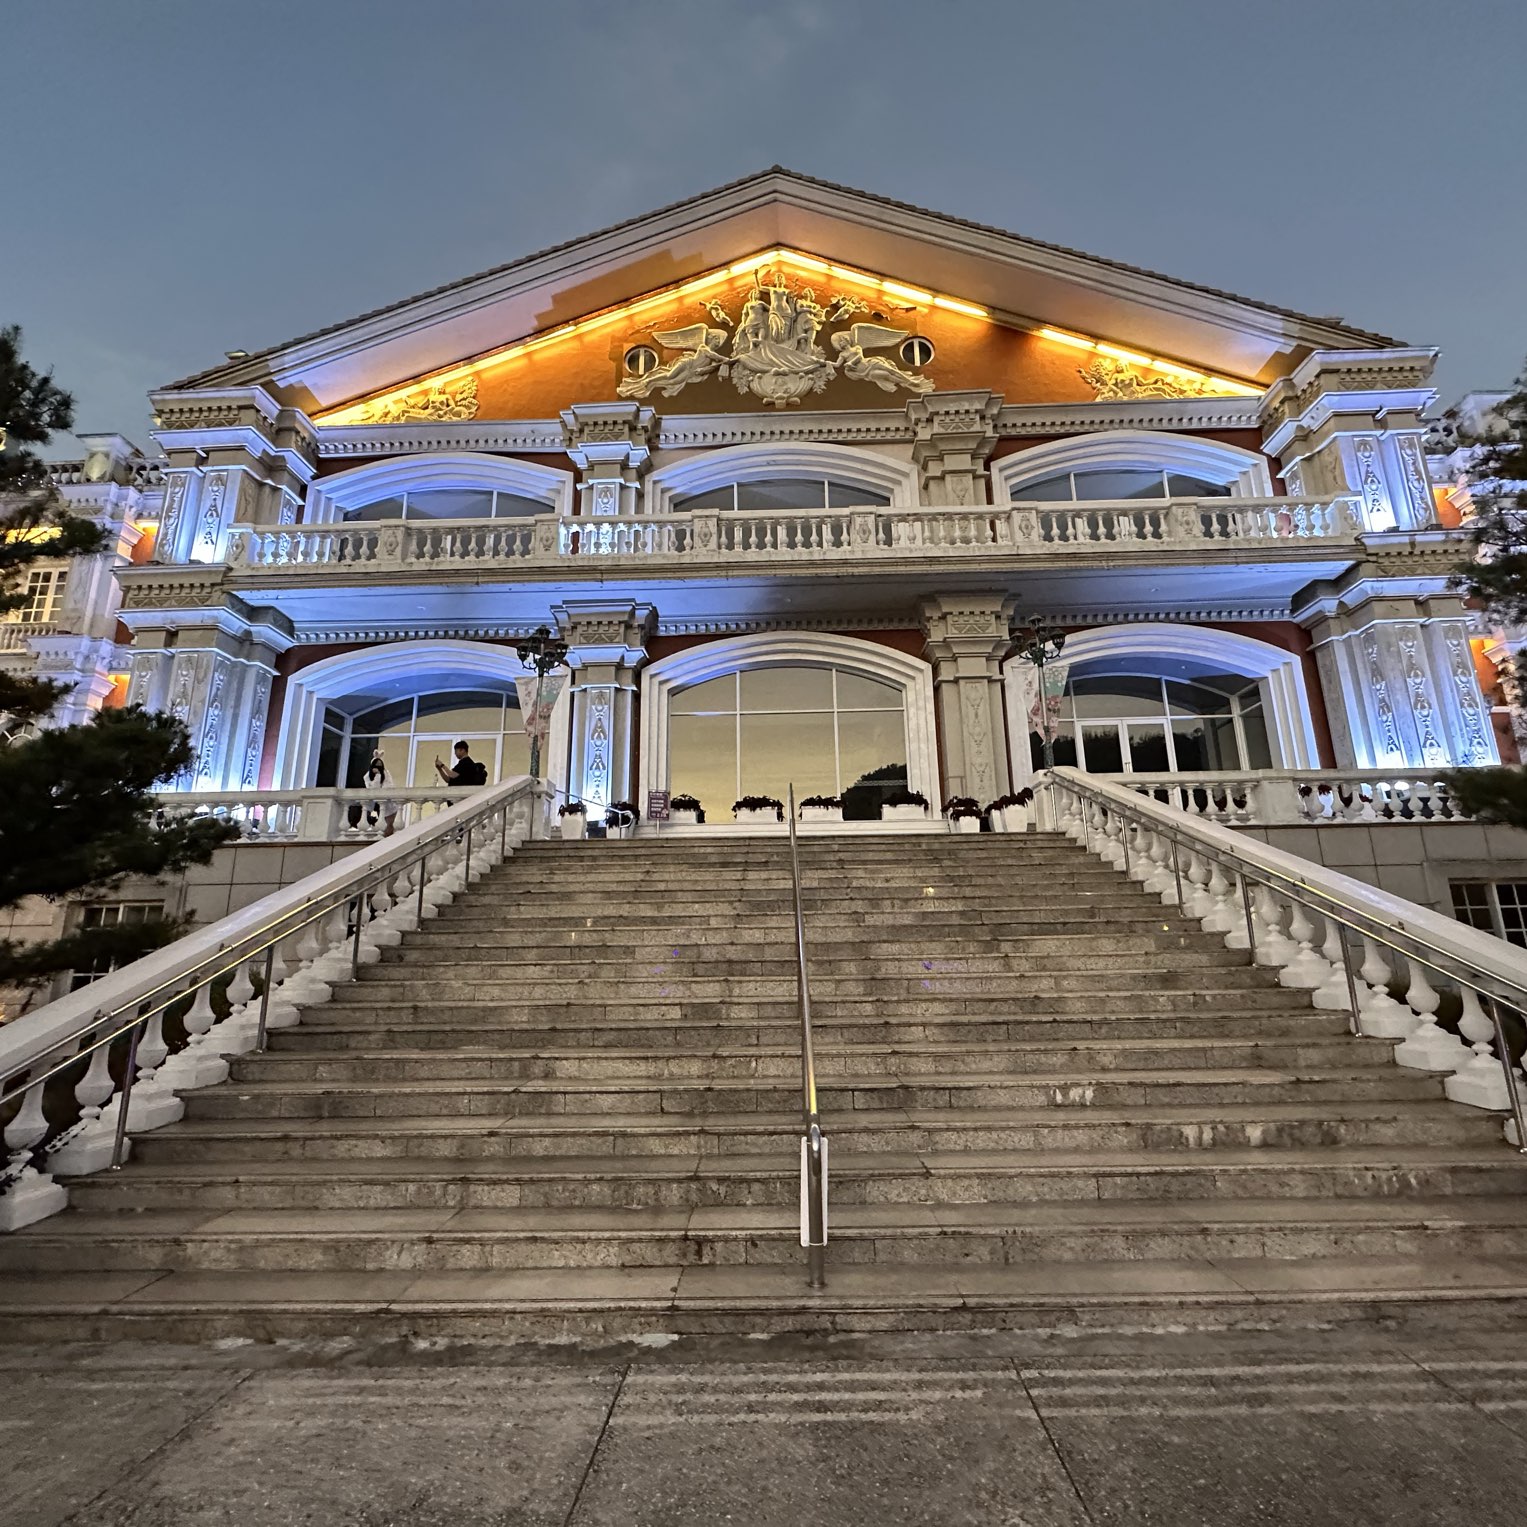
(467, 771)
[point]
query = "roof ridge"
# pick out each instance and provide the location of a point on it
(214, 372)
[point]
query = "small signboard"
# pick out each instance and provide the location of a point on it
(657, 805)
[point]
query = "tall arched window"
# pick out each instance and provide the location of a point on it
(455, 485)
(1130, 464)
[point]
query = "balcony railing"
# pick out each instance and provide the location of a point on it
(726, 537)
(316, 815)
(1305, 797)
(15, 634)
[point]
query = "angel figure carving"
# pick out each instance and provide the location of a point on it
(851, 345)
(703, 356)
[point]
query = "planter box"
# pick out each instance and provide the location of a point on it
(965, 824)
(821, 813)
(613, 830)
(572, 825)
(751, 817)
(903, 813)
(1010, 819)
(684, 818)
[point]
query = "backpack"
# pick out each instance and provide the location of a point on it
(477, 773)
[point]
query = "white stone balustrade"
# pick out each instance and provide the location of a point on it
(1304, 797)
(314, 815)
(362, 904)
(707, 537)
(1349, 944)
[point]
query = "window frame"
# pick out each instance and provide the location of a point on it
(149, 909)
(864, 498)
(1489, 904)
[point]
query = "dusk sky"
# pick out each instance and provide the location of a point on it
(186, 177)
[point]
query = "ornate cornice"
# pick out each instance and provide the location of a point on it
(536, 436)
(847, 426)
(1132, 413)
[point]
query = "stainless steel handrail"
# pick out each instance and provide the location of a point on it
(814, 1142)
(1494, 989)
(132, 1016)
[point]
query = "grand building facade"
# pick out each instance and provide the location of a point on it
(793, 470)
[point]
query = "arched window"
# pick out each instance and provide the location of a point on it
(1130, 464)
(448, 486)
(784, 474)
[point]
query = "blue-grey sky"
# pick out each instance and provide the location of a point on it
(184, 177)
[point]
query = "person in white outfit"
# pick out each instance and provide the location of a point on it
(377, 777)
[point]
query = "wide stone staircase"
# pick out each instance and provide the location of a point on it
(571, 1104)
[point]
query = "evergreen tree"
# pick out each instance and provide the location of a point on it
(1496, 576)
(75, 810)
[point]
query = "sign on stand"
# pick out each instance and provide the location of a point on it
(657, 805)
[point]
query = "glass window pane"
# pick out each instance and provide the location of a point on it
(382, 509)
(507, 506)
(1258, 744)
(1101, 750)
(465, 713)
(780, 750)
(712, 498)
(783, 493)
(451, 504)
(1471, 904)
(1064, 749)
(514, 754)
(1192, 745)
(391, 717)
(795, 688)
(702, 759)
(868, 740)
(1147, 748)
(1117, 695)
(712, 695)
(1047, 490)
(844, 495)
(1196, 699)
(1122, 483)
(1180, 485)
(855, 692)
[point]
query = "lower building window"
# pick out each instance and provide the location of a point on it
(1119, 724)
(111, 914)
(413, 731)
(1493, 906)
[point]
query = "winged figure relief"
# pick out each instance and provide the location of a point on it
(858, 338)
(703, 356)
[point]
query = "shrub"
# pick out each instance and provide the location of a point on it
(906, 798)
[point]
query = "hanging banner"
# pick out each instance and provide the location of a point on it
(538, 722)
(1043, 711)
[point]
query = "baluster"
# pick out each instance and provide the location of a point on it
(1481, 1080)
(1378, 1014)
(1112, 850)
(1274, 947)
(32, 1195)
(1197, 901)
(152, 1103)
(1159, 879)
(1429, 1046)
(1333, 994)
(199, 1064)
(88, 1146)
(384, 929)
(281, 1011)
(1224, 913)
(1305, 970)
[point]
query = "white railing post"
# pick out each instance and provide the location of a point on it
(30, 1194)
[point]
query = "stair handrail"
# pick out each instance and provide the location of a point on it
(814, 1141)
(1494, 970)
(39, 1045)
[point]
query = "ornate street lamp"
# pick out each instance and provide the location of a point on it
(1042, 643)
(542, 652)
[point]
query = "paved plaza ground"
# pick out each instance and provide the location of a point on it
(1008, 1429)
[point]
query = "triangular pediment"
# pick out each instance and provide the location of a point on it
(578, 307)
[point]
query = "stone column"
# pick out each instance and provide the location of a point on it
(607, 644)
(1349, 422)
(955, 433)
(610, 444)
(1400, 685)
(968, 636)
(235, 457)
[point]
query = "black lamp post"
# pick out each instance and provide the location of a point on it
(1042, 643)
(543, 652)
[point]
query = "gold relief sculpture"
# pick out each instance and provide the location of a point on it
(770, 349)
(1111, 379)
(449, 400)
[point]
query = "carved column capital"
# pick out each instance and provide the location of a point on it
(612, 445)
(954, 433)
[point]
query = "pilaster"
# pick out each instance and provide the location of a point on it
(607, 644)
(967, 638)
(235, 458)
(1350, 422)
(611, 445)
(954, 433)
(1400, 685)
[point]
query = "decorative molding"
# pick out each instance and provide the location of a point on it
(753, 463)
(1245, 472)
(1017, 420)
(535, 436)
(889, 620)
(1112, 379)
(442, 402)
(850, 427)
(356, 487)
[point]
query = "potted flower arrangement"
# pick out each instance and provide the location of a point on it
(904, 806)
(962, 813)
(620, 820)
(758, 808)
(573, 819)
(1010, 813)
(821, 808)
(685, 811)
